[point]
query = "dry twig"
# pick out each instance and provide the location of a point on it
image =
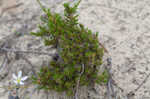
(78, 82)
(110, 88)
(145, 79)
(3, 63)
(21, 52)
(11, 7)
(32, 67)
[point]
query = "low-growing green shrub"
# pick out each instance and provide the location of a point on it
(78, 52)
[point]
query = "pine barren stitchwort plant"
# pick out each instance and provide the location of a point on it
(78, 52)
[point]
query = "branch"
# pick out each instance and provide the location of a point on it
(142, 83)
(145, 79)
(147, 61)
(11, 7)
(78, 82)
(29, 62)
(26, 52)
(5, 61)
(110, 81)
(103, 47)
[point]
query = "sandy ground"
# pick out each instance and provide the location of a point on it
(124, 29)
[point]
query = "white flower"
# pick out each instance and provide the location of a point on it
(18, 80)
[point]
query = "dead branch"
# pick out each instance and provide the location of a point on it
(11, 7)
(78, 82)
(110, 89)
(103, 47)
(21, 52)
(145, 79)
(142, 83)
(147, 61)
(29, 62)
(5, 61)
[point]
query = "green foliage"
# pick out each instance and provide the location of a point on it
(103, 78)
(75, 45)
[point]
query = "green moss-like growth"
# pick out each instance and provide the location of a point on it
(76, 46)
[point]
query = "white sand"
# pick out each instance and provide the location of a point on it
(123, 26)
